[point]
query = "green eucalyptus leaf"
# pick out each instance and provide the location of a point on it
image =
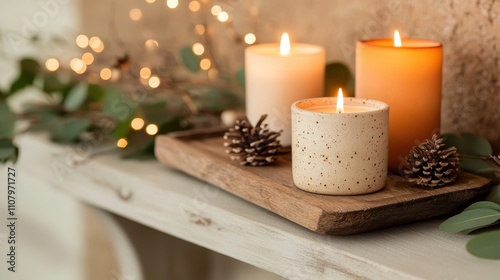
(469, 144)
(485, 245)
(8, 151)
(70, 130)
(338, 75)
(157, 112)
(7, 120)
(30, 66)
(22, 81)
(476, 166)
(471, 219)
(190, 60)
(76, 97)
(483, 205)
(494, 195)
(96, 92)
(122, 129)
(117, 106)
(51, 83)
(217, 99)
(240, 77)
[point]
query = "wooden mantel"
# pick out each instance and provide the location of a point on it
(176, 204)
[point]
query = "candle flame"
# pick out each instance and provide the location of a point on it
(285, 44)
(397, 39)
(340, 102)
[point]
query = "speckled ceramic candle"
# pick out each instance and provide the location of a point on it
(340, 153)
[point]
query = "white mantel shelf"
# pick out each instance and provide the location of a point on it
(189, 209)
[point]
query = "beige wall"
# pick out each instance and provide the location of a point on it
(468, 30)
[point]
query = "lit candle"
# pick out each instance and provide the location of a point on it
(339, 150)
(278, 75)
(406, 74)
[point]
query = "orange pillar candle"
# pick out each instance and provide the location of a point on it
(406, 74)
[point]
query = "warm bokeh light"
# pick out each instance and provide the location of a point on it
(122, 143)
(135, 14)
(199, 29)
(340, 101)
(82, 41)
(223, 16)
(105, 74)
(116, 74)
(145, 72)
(78, 66)
(137, 124)
(194, 6)
(216, 10)
(397, 39)
(150, 1)
(52, 64)
(151, 44)
(152, 129)
(96, 44)
(198, 48)
(154, 82)
(250, 38)
(172, 4)
(205, 64)
(88, 58)
(285, 44)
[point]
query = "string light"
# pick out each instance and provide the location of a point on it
(172, 4)
(145, 72)
(216, 10)
(150, 1)
(122, 143)
(78, 66)
(198, 48)
(223, 16)
(137, 124)
(250, 38)
(82, 41)
(199, 29)
(152, 129)
(205, 64)
(135, 14)
(87, 58)
(154, 82)
(151, 44)
(194, 6)
(96, 44)
(105, 74)
(52, 64)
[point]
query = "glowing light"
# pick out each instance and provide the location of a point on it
(78, 66)
(194, 6)
(216, 10)
(198, 49)
(105, 74)
(150, 1)
(340, 101)
(213, 74)
(205, 64)
(96, 44)
(122, 143)
(52, 64)
(250, 38)
(397, 39)
(223, 16)
(135, 14)
(199, 29)
(115, 74)
(152, 129)
(145, 73)
(154, 82)
(87, 58)
(137, 124)
(285, 44)
(82, 41)
(172, 4)
(151, 44)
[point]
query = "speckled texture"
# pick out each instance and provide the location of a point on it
(341, 154)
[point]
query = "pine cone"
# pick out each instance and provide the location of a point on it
(432, 165)
(254, 146)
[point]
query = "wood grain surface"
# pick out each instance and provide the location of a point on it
(201, 154)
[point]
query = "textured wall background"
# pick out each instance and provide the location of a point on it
(467, 29)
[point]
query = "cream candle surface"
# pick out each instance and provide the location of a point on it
(339, 153)
(275, 78)
(408, 78)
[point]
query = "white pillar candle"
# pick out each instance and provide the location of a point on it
(340, 152)
(278, 75)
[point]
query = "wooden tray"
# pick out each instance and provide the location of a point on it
(201, 154)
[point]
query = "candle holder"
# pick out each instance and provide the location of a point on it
(340, 153)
